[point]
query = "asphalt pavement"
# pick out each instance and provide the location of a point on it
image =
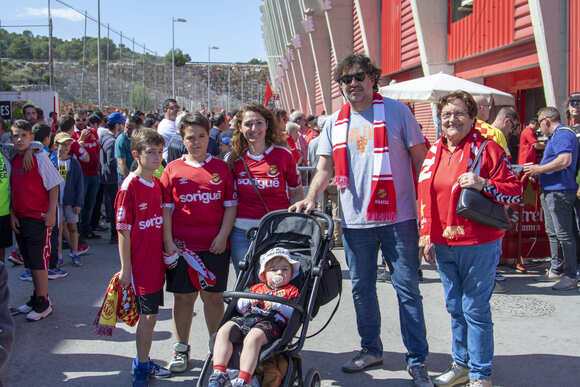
(537, 336)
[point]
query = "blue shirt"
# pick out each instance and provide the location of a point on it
(562, 140)
(123, 150)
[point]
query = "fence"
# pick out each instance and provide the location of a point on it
(131, 75)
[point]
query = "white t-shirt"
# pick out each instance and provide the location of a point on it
(167, 129)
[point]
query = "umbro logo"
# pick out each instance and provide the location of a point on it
(183, 180)
(143, 206)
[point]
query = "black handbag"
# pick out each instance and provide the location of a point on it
(475, 206)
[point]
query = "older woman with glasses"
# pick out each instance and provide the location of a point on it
(466, 252)
(265, 174)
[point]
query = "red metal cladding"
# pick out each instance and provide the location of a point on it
(410, 55)
(522, 20)
(489, 26)
(391, 36)
(422, 112)
(357, 36)
(574, 42)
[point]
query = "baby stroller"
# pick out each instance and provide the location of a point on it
(319, 282)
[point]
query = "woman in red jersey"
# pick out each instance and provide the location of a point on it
(261, 164)
(199, 210)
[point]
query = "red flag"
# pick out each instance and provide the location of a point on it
(267, 94)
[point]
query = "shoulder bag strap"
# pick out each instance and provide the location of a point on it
(254, 184)
(478, 155)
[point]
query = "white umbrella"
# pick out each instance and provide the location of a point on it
(433, 87)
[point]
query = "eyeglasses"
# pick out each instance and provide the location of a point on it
(448, 115)
(349, 77)
(541, 120)
(258, 124)
(575, 103)
(81, 119)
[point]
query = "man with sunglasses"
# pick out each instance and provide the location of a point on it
(88, 138)
(557, 172)
(372, 142)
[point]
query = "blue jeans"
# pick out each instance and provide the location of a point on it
(239, 246)
(467, 274)
(398, 244)
(559, 219)
(91, 185)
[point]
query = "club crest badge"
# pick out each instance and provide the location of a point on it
(382, 194)
(273, 171)
(216, 179)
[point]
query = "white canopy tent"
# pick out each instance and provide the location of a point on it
(433, 87)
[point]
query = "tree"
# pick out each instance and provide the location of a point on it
(180, 58)
(256, 61)
(139, 99)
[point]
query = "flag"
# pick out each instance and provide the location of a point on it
(267, 94)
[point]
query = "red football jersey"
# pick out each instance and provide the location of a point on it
(198, 194)
(30, 198)
(274, 172)
(77, 151)
(92, 147)
(138, 210)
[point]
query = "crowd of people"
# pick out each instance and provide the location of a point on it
(179, 192)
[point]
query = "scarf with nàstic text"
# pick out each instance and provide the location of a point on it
(454, 224)
(383, 202)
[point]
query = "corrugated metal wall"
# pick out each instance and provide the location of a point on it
(410, 55)
(422, 111)
(391, 36)
(574, 42)
(357, 36)
(522, 20)
(489, 26)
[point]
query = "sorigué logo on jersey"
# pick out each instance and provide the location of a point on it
(216, 179)
(156, 222)
(273, 171)
(204, 197)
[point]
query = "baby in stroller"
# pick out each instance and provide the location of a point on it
(261, 322)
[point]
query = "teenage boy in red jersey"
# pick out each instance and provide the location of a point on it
(33, 214)
(140, 229)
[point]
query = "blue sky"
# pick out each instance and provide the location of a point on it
(232, 25)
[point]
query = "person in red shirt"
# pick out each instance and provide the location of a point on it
(261, 322)
(529, 144)
(34, 197)
(199, 210)
(466, 252)
(290, 137)
(264, 171)
(139, 223)
(88, 138)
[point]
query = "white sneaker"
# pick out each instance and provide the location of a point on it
(41, 309)
(25, 308)
(453, 376)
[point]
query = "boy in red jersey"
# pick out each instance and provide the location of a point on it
(32, 216)
(261, 322)
(140, 229)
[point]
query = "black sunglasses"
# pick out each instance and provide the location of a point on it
(349, 77)
(575, 102)
(81, 119)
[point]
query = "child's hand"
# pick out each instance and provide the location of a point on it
(124, 278)
(170, 247)
(219, 244)
(14, 223)
(28, 160)
(50, 219)
(76, 210)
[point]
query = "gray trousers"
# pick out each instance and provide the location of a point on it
(559, 219)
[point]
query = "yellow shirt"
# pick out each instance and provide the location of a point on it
(493, 133)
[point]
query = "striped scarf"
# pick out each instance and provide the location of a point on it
(383, 203)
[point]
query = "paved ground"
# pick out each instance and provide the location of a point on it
(537, 341)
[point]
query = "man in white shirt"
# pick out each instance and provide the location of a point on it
(166, 127)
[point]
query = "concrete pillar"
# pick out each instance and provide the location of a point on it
(430, 19)
(549, 20)
(370, 24)
(339, 24)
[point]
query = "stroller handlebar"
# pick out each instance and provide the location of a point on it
(264, 297)
(315, 214)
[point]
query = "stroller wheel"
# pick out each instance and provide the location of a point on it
(312, 378)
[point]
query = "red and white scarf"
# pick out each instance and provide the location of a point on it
(455, 223)
(383, 202)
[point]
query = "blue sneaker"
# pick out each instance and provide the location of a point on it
(156, 371)
(56, 273)
(140, 373)
(76, 260)
(26, 276)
